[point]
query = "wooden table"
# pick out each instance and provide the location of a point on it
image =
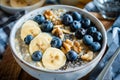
(10, 70)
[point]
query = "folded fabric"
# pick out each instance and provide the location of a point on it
(114, 70)
(4, 32)
(6, 18)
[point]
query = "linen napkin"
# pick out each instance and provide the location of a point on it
(113, 35)
(6, 23)
(5, 28)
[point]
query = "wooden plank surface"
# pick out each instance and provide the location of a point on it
(10, 70)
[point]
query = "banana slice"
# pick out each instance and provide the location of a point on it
(53, 58)
(18, 3)
(40, 42)
(30, 27)
(46, 35)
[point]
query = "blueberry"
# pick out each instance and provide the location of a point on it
(56, 42)
(88, 39)
(28, 39)
(37, 56)
(76, 16)
(86, 23)
(80, 33)
(72, 55)
(67, 19)
(75, 25)
(91, 30)
(47, 26)
(97, 36)
(95, 46)
(69, 12)
(39, 19)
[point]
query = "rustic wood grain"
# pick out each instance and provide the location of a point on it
(25, 76)
(10, 70)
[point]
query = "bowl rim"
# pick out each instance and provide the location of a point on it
(22, 8)
(59, 71)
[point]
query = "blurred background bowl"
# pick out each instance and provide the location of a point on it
(12, 10)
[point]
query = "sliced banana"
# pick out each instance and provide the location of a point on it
(30, 27)
(46, 35)
(18, 3)
(40, 43)
(53, 58)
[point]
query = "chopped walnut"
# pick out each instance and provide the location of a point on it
(88, 56)
(66, 31)
(77, 47)
(58, 32)
(49, 14)
(58, 26)
(69, 42)
(64, 50)
(67, 45)
(52, 17)
(56, 22)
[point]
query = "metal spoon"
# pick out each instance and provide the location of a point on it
(106, 68)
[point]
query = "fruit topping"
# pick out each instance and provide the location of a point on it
(37, 56)
(72, 55)
(56, 42)
(76, 16)
(75, 25)
(97, 36)
(95, 46)
(39, 19)
(80, 33)
(88, 40)
(28, 39)
(86, 23)
(67, 19)
(91, 30)
(47, 26)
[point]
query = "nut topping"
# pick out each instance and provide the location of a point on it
(67, 45)
(88, 56)
(58, 32)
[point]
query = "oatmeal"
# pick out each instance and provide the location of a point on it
(58, 40)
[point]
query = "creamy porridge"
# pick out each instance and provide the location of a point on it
(58, 40)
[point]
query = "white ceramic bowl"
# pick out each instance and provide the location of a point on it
(12, 10)
(43, 74)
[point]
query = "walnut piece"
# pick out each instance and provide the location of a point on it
(58, 26)
(56, 22)
(77, 47)
(58, 32)
(66, 31)
(49, 14)
(67, 45)
(88, 56)
(52, 17)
